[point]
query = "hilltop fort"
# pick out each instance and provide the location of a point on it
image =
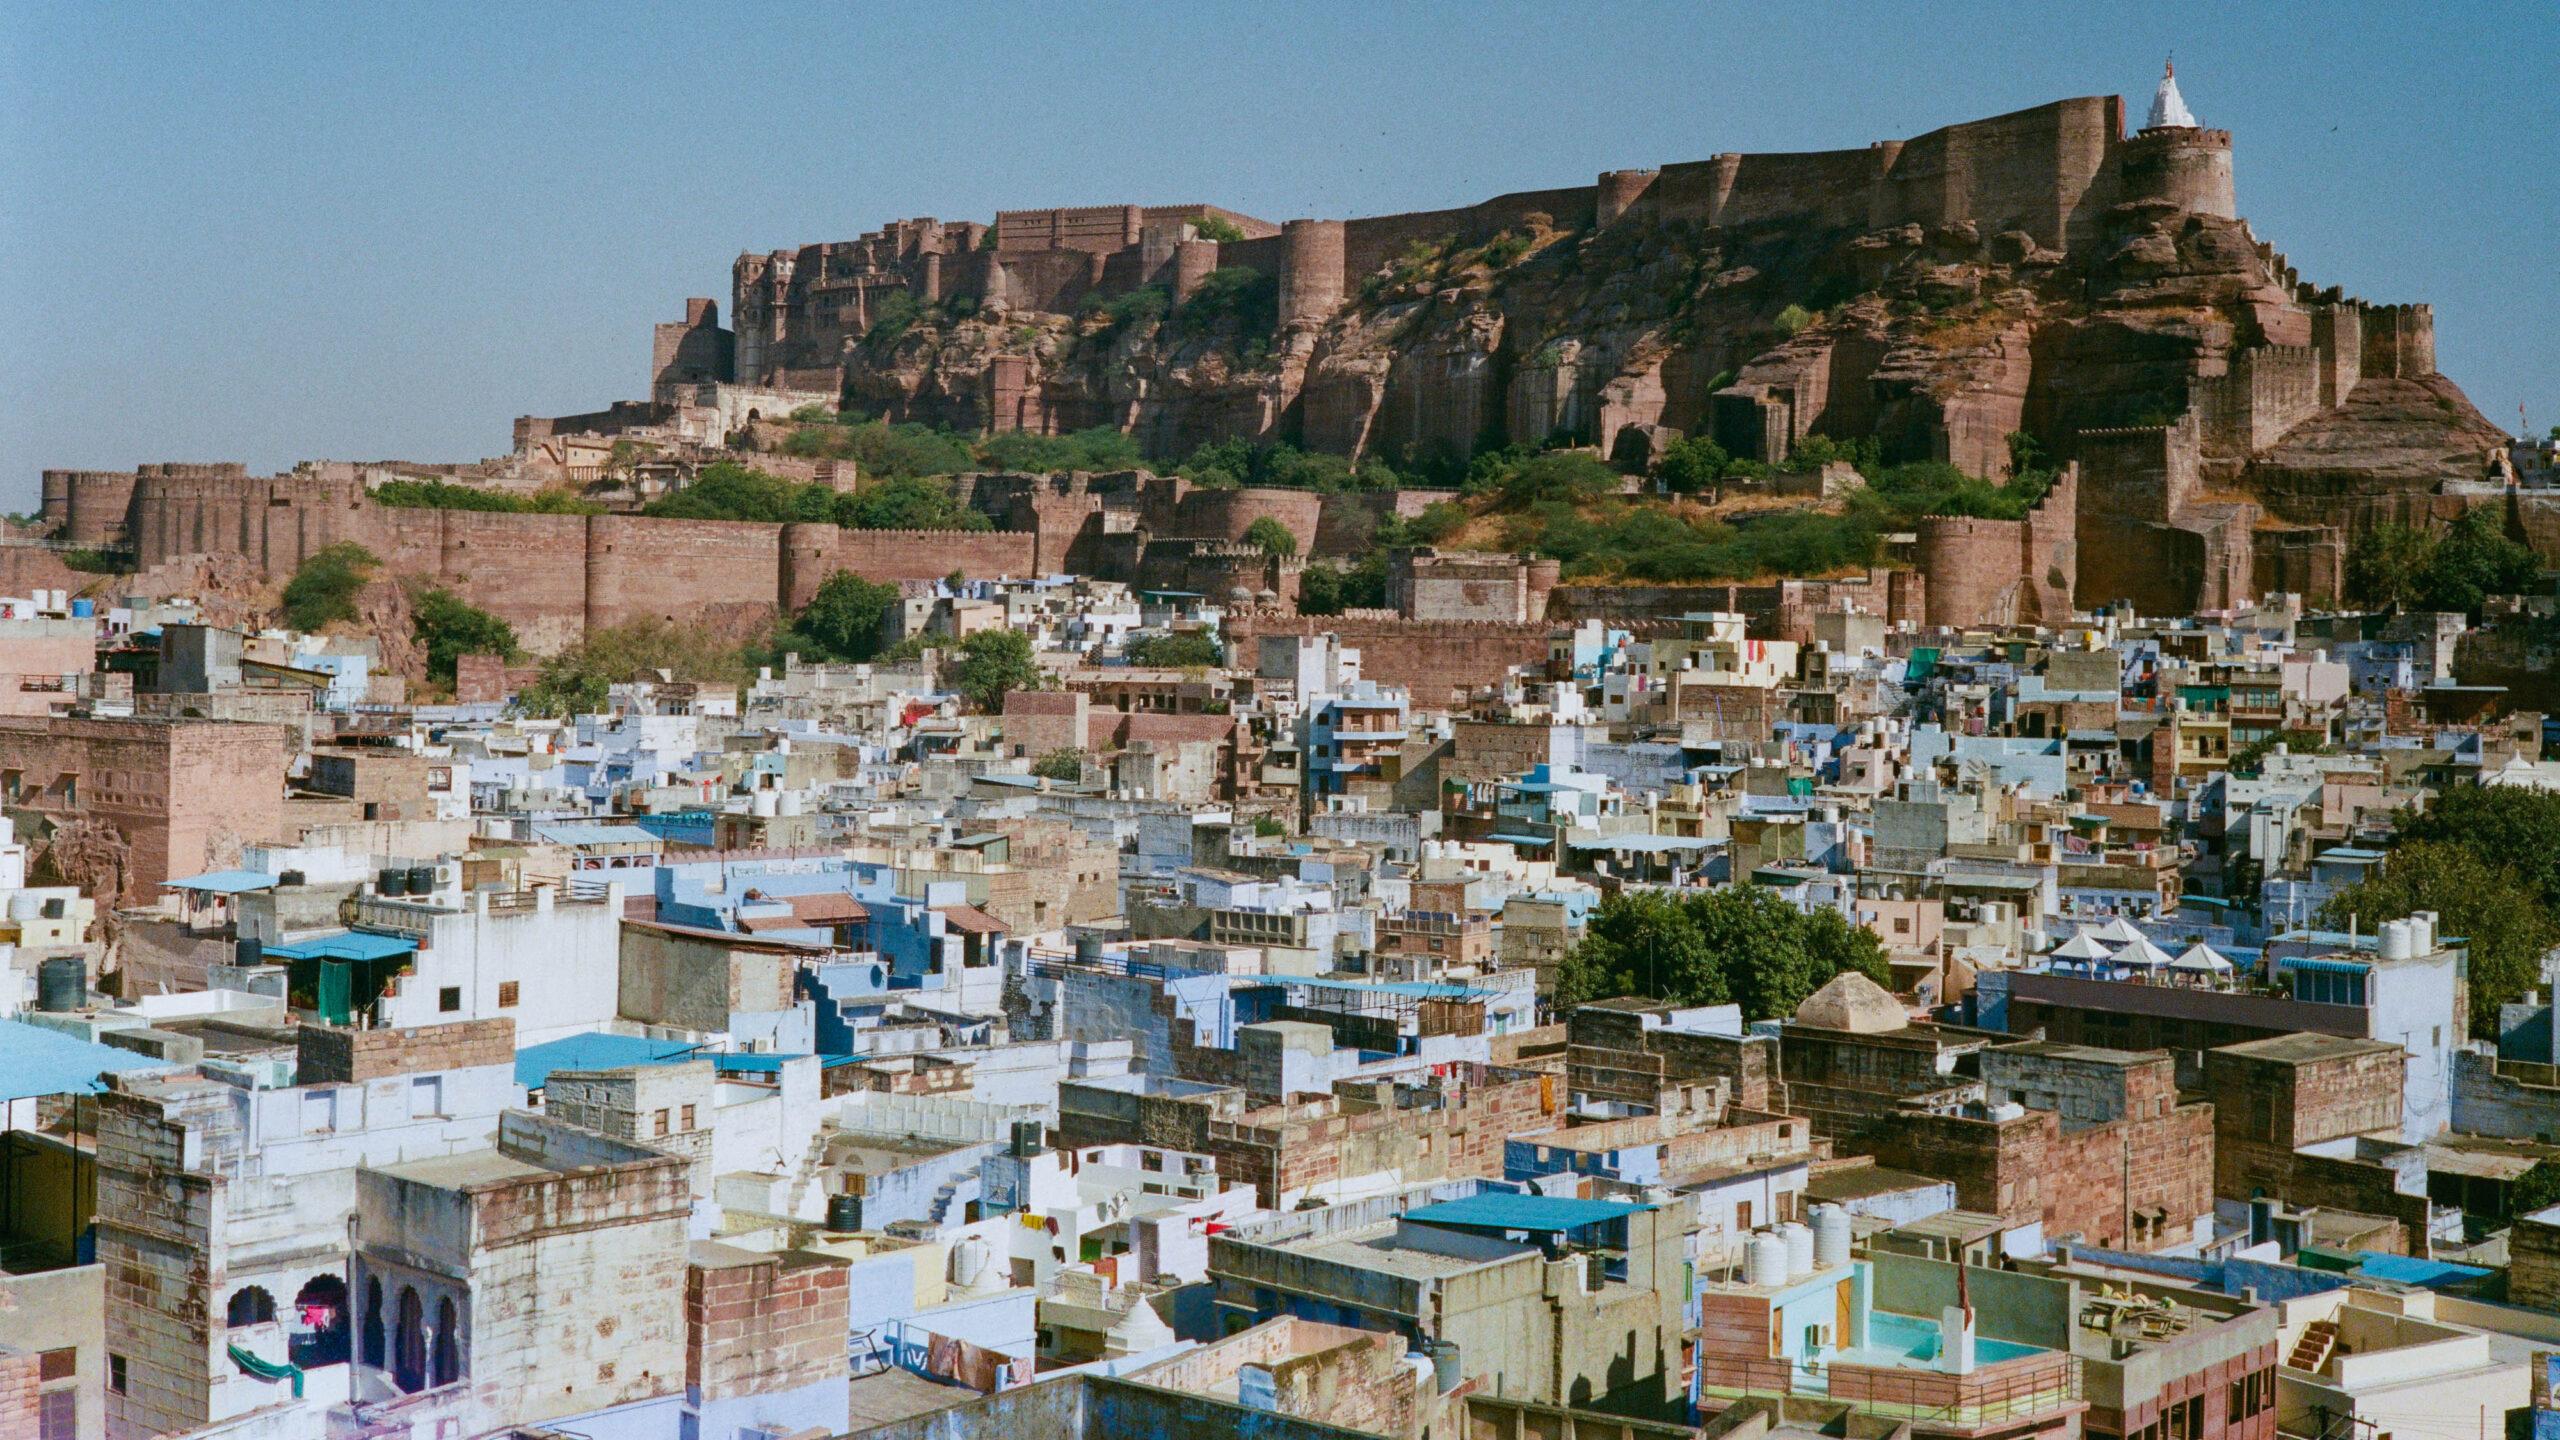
(2047, 272)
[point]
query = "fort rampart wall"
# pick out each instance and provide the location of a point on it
(554, 576)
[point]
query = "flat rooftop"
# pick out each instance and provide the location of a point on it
(2306, 1047)
(1374, 1247)
(471, 1167)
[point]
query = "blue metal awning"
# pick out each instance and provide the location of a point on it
(345, 945)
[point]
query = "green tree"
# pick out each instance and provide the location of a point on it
(323, 590)
(2476, 560)
(842, 621)
(1564, 475)
(449, 627)
(2537, 1188)
(1177, 649)
(1066, 765)
(891, 318)
(1101, 447)
(1794, 319)
(2503, 824)
(2387, 566)
(731, 491)
(2486, 903)
(1320, 590)
(992, 665)
(909, 503)
(1271, 537)
(579, 680)
(1742, 945)
(1692, 465)
(1218, 228)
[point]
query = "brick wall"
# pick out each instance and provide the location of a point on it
(18, 1395)
(764, 1325)
(335, 1055)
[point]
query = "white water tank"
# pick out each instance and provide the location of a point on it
(24, 906)
(1764, 1260)
(764, 803)
(2395, 939)
(790, 802)
(1831, 1235)
(2422, 933)
(1799, 1240)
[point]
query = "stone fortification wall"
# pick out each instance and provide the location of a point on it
(1981, 571)
(554, 576)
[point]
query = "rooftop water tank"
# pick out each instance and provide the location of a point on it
(1799, 1241)
(1445, 1371)
(1764, 1260)
(1831, 1235)
(844, 1212)
(62, 983)
(25, 905)
(393, 881)
(2395, 939)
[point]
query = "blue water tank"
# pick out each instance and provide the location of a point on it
(83, 609)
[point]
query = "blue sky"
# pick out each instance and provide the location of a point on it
(265, 232)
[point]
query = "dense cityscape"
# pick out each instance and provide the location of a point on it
(1900, 794)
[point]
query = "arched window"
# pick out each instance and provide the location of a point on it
(319, 1330)
(250, 1305)
(373, 1321)
(409, 1343)
(448, 1348)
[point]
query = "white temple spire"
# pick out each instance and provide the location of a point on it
(2169, 108)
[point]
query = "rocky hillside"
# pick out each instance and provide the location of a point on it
(1936, 341)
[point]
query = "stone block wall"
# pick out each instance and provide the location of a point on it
(337, 1055)
(2266, 1108)
(765, 1324)
(155, 800)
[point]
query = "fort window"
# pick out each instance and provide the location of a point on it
(448, 1366)
(409, 1343)
(319, 1323)
(115, 1374)
(688, 1117)
(507, 994)
(57, 1364)
(373, 1321)
(449, 999)
(250, 1306)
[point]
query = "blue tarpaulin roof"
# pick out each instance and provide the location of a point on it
(599, 1051)
(1499, 1210)
(534, 1063)
(35, 1061)
(345, 945)
(225, 882)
